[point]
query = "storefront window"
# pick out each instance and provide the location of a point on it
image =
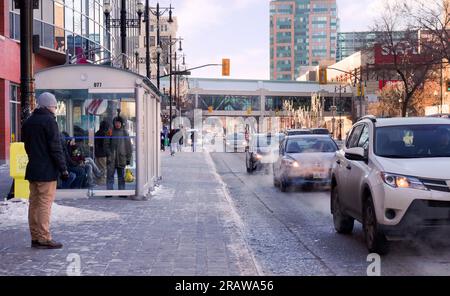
(14, 105)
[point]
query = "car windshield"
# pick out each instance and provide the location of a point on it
(311, 145)
(413, 141)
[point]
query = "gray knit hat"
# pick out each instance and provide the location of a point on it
(46, 99)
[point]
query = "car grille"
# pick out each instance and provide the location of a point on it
(438, 185)
(439, 204)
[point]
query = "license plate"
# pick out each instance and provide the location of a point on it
(319, 175)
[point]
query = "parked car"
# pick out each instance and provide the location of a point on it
(296, 132)
(262, 152)
(320, 131)
(235, 142)
(392, 176)
(304, 160)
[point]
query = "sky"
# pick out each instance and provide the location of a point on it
(239, 30)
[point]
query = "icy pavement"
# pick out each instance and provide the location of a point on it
(188, 227)
(14, 213)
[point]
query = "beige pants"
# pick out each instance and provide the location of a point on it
(101, 164)
(42, 195)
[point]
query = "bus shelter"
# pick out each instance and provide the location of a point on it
(91, 96)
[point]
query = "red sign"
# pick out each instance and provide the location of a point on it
(405, 53)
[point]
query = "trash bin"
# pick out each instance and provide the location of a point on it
(17, 166)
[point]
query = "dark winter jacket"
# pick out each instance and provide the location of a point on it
(118, 148)
(100, 140)
(65, 146)
(42, 143)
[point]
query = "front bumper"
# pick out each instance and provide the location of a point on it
(308, 179)
(422, 215)
(413, 209)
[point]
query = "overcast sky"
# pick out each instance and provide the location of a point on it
(239, 30)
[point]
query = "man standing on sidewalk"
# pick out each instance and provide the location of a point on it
(45, 161)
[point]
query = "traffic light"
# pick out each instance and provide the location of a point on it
(360, 90)
(225, 67)
(448, 85)
(249, 110)
(210, 109)
(322, 75)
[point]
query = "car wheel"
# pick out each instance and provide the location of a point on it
(375, 239)
(283, 185)
(246, 162)
(249, 165)
(342, 223)
(276, 183)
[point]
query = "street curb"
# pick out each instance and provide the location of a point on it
(238, 221)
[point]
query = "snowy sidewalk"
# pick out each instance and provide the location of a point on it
(188, 228)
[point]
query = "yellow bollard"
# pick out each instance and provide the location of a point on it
(18, 161)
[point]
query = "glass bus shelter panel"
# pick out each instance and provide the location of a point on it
(86, 122)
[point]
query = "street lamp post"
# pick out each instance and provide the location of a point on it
(333, 109)
(26, 58)
(171, 43)
(123, 23)
(147, 39)
(158, 12)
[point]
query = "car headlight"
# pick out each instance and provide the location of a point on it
(399, 181)
(292, 163)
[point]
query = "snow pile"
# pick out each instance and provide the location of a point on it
(162, 193)
(16, 213)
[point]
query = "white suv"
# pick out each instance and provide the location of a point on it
(392, 175)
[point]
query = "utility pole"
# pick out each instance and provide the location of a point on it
(170, 81)
(27, 93)
(340, 112)
(442, 93)
(178, 90)
(123, 32)
(361, 93)
(147, 39)
(158, 55)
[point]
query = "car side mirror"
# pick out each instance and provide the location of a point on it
(355, 153)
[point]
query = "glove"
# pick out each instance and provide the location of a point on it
(65, 176)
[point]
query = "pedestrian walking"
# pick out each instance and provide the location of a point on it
(45, 162)
(181, 140)
(173, 142)
(119, 152)
(193, 138)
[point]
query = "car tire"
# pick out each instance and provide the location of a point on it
(342, 223)
(283, 185)
(276, 183)
(375, 239)
(248, 164)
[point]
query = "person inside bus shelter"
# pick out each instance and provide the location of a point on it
(119, 152)
(72, 166)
